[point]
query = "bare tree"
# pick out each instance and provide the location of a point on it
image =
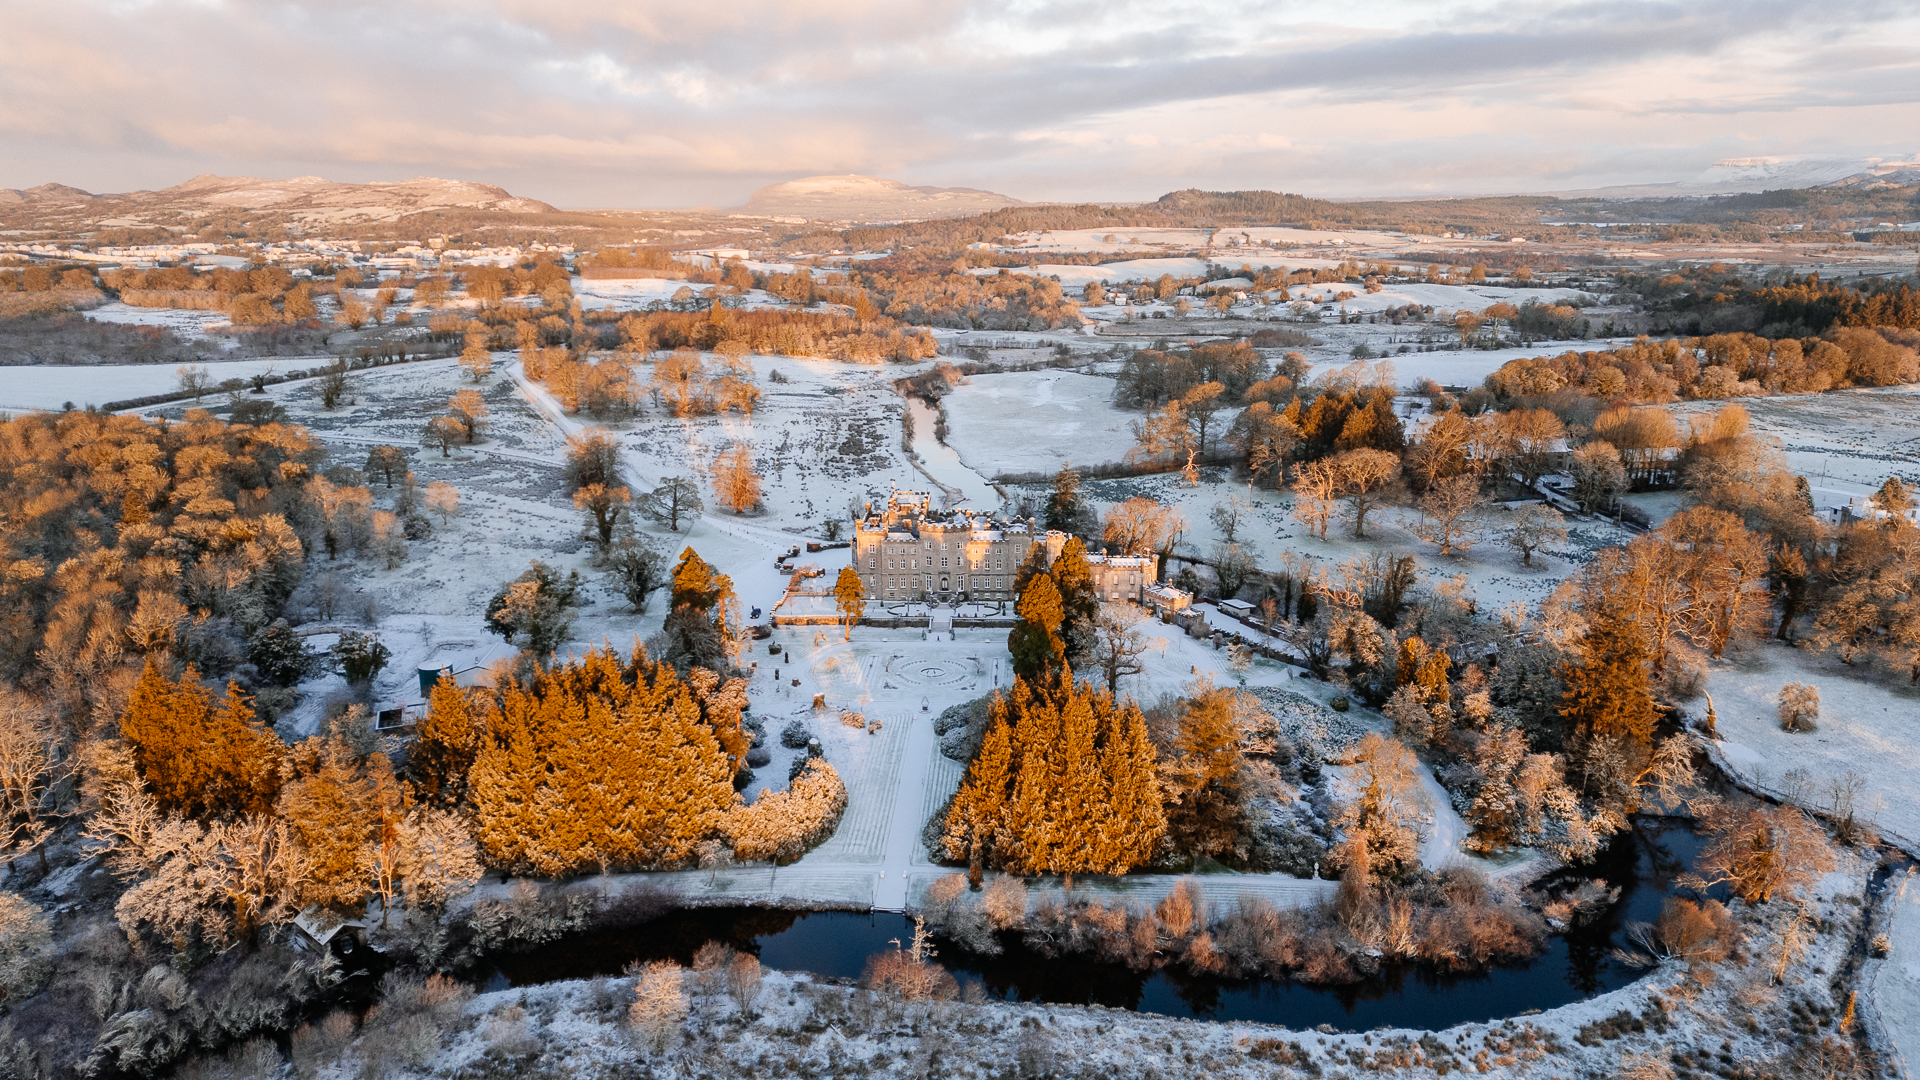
(1450, 514)
(476, 358)
(1227, 515)
(1142, 526)
(388, 462)
(1119, 643)
(743, 982)
(443, 432)
(1799, 706)
(470, 409)
(660, 1004)
(1232, 566)
(602, 505)
(674, 498)
(1364, 479)
(194, 379)
(1762, 851)
(1598, 476)
(26, 776)
(1535, 525)
(1315, 484)
(638, 570)
(333, 384)
(443, 500)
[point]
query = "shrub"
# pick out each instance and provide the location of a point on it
(1799, 707)
(26, 939)
(899, 974)
(795, 735)
(784, 825)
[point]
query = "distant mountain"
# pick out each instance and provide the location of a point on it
(1737, 176)
(868, 198)
(304, 199)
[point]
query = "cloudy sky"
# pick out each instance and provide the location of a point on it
(637, 103)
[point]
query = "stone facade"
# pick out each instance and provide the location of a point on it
(905, 551)
(1115, 577)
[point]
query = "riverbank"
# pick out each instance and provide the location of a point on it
(1723, 1018)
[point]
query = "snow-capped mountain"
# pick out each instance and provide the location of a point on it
(868, 198)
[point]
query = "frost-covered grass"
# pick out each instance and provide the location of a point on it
(1844, 442)
(1869, 728)
(52, 387)
(1036, 421)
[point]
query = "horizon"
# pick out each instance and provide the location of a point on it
(623, 106)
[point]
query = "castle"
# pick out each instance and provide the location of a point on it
(905, 551)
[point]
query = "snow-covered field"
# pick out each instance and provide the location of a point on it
(1869, 729)
(1448, 367)
(1846, 443)
(186, 323)
(635, 294)
(50, 387)
(1036, 421)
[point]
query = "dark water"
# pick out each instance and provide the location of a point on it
(1574, 966)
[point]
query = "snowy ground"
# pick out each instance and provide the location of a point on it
(1846, 443)
(1869, 728)
(51, 387)
(1036, 421)
(636, 294)
(188, 324)
(1892, 984)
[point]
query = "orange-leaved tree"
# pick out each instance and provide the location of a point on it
(595, 764)
(1064, 783)
(200, 758)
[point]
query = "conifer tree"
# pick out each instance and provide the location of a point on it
(1064, 783)
(1079, 601)
(1136, 819)
(979, 804)
(1066, 507)
(599, 765)
(1035, 640)
(1606, 685)
(200, 759)
(445, 745)
(337, 802)
(1201, 777)
(693, 582)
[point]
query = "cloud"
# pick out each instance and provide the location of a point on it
(656, 103)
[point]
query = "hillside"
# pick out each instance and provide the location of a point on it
(302, 201)
(869, 198)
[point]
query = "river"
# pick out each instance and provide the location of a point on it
(1576, 965)
(942, 462)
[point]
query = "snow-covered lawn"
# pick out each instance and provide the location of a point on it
(1036, 421)
(1869, 728)
(1845, 442)
(51, 387)
(187, 323)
